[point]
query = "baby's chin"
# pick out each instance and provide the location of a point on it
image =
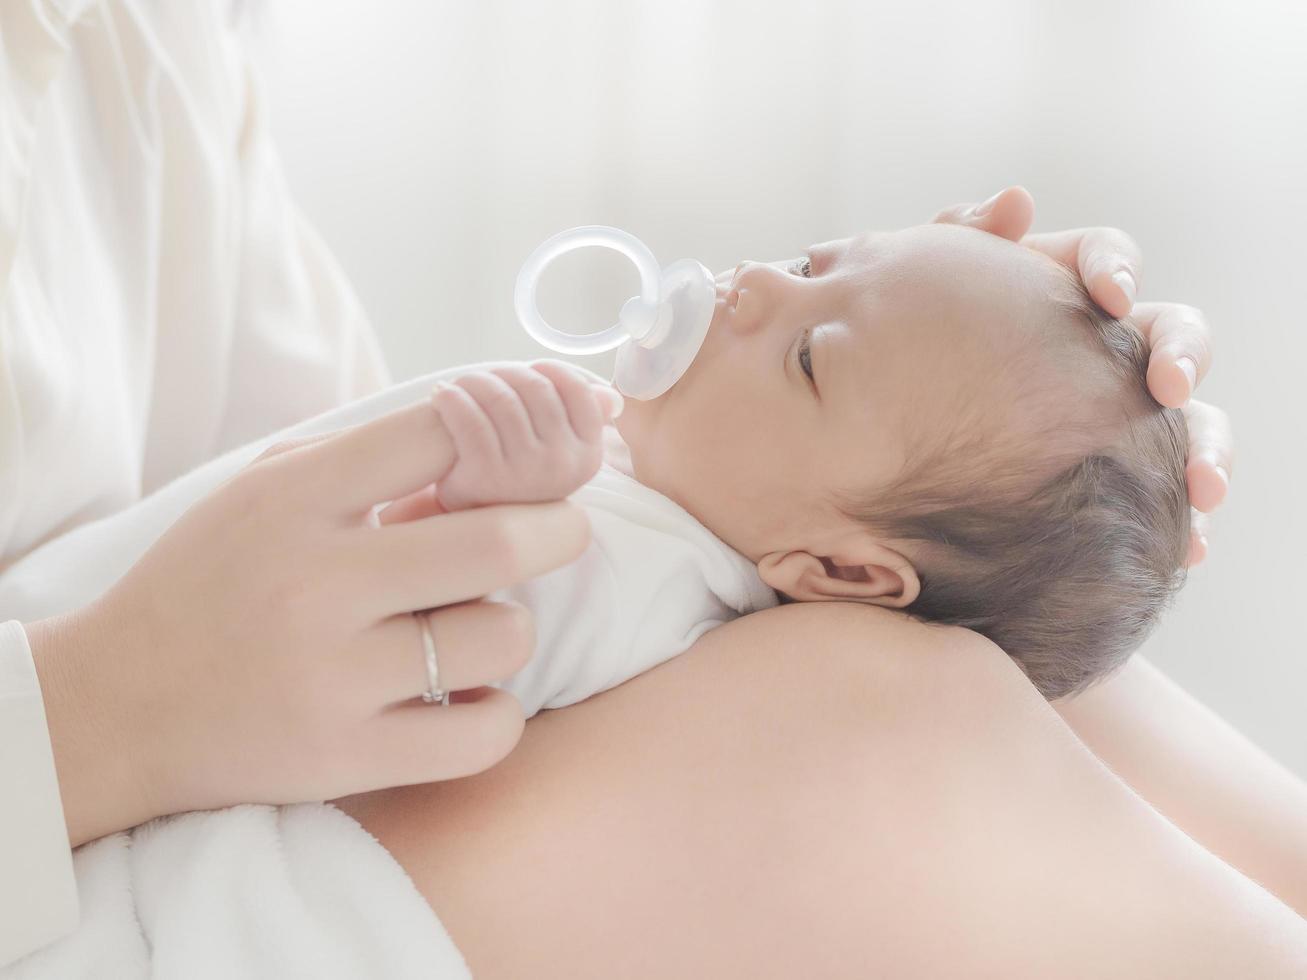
(633, 422)
(637, 425)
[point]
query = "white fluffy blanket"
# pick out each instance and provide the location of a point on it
(250, 891)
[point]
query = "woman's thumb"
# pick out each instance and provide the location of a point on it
(1008, 214)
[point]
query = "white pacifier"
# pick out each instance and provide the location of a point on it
(658, 332)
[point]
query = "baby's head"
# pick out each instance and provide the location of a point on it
(976, 445)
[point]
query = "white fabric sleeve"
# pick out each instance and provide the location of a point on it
(38, 893)
(32, 43)
(302, 342)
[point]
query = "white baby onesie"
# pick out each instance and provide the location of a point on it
(651, 582)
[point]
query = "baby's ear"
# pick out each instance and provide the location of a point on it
(877, 575)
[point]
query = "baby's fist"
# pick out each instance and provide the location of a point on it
(523, 433)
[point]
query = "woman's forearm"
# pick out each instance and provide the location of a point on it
(1200, 773)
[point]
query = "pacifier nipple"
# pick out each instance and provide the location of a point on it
(646, 325)
(658, 332)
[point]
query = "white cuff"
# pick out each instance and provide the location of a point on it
(38, 892)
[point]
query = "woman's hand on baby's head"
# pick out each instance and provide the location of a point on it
(523, 433)
(1109, 262)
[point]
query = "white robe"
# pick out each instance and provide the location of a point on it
(157, 288)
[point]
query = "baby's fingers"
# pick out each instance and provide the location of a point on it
(587, 406)
(473, 434)
(502, 405)
(543, 404)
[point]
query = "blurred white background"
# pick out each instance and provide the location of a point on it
(435, 144)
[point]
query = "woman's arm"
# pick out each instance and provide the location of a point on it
(1209, 780)
(822, 790)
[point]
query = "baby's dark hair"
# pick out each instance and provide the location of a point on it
(1063, 557)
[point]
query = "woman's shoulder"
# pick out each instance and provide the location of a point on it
(836, 618)
(884, 645)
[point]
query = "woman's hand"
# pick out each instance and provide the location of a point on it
(263, 650)
(1109, 263)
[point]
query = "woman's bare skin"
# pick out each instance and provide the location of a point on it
(1201, 774)
(786, 799)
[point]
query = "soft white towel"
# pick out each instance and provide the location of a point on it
(248, 892)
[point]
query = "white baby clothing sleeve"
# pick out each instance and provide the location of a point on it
(651, 582)
(38, 893)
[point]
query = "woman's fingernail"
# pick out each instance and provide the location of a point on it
(983, 208)
(1222, 475)
(1126, 281)
(1189, 368)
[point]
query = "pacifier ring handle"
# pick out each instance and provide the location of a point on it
(637, 317)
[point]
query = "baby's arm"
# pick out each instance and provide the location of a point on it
(523, 433)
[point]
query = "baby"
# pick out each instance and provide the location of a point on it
(934, 419)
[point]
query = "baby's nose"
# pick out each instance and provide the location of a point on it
(762, 279)
(745, 280)
(754, 293)
(745, 272)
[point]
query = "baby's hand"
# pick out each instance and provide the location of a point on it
(523, 433)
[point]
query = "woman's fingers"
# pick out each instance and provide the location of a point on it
(1008, 214)
(1181, 349)
(277, 448)
(1211, 454)
(1109, 263)
(464, 555)
(417, 743)
(355, 469)
(1108, 260)
(1199, 523)
(418, 504)
(477, 643)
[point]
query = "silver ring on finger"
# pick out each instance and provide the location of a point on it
(434, 694)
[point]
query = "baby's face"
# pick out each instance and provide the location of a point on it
(900, 332)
